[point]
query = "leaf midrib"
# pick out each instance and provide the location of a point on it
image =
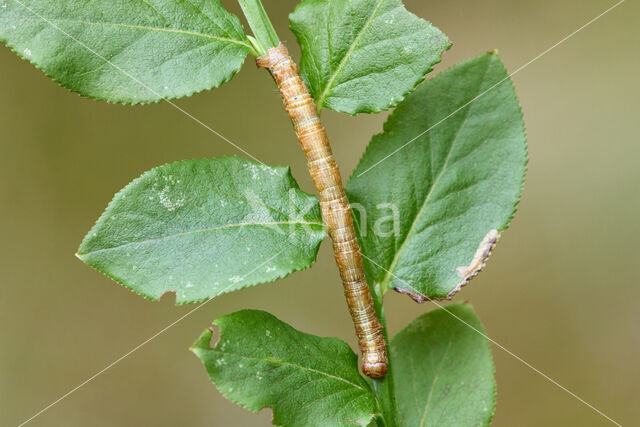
(323, 96)
(433, 383)
(150, 28)
(202, 230)
(294, 365)
(389, 273)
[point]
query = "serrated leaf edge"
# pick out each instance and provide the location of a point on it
(416, 296)
(320, 102)
(465, 305)
(208, 334)
(287, 171)
(161, 98)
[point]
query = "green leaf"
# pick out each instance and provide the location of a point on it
(259, 361)
(129, 52)
(443, 370)
(202, 228)
(363, 56)
(258, 20)
(441, 181)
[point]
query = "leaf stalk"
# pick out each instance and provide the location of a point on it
(384, 388)
(264, 35)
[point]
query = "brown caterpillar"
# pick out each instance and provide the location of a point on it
(334, 205)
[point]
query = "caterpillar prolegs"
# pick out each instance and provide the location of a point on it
(334, 205)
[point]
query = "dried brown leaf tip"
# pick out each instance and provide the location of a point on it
(417, 297)
(478, 262)
(467, 272)
(480, 258)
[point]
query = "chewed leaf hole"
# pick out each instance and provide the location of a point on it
(215, 336)
(172, 295)
(257, 371)
(195, 211)
(267, 411)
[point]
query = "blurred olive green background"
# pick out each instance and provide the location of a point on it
(560, 290)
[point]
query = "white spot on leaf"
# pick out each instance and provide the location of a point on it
(253, 169)
(168, 196)
(166, 201)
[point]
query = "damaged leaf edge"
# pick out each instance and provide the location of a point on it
(467, 273)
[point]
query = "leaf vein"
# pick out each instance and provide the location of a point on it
(434, 184)
(323, 96)
(150, 28)
(204, 230)
(294, 365)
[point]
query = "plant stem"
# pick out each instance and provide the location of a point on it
(367, 311)
(264, 35)
(384, 388)
(333, 204)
